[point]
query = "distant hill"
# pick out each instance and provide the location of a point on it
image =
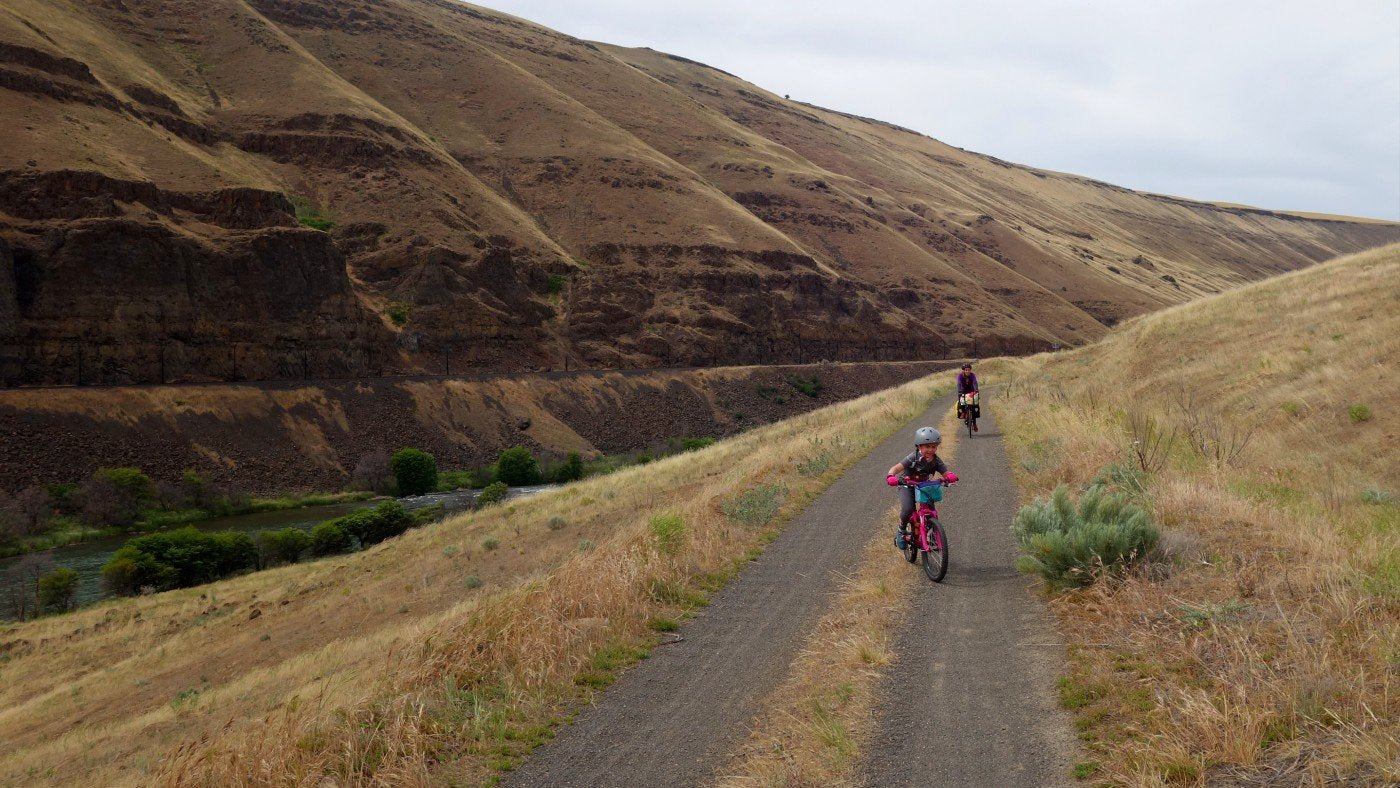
(272, 189)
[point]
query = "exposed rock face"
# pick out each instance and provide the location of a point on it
(114, 281)
(501, 196)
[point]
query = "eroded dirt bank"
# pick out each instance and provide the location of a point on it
(298, 436)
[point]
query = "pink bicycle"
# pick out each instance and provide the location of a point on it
(924, 538)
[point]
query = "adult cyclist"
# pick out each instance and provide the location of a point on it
(967, 384)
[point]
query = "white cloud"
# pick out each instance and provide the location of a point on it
(1279, 104)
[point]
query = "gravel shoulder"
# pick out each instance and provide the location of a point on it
(674, 718)
(970, 698)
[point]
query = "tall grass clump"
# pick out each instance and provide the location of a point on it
(669, 532)
(1070, 545)
(756, 505)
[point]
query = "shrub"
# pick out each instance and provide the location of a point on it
(645, 457)
(691, 444)
(415, 471)
(178, 559)
(373, 472)
(816, 464)
(1377, 495)
(491, 543)
(329, 538)
(517, 466)
(669, 532)
(282, 546)
(556, 523)
(1359, 413)
(201, 492)
(426, 514)
(473, 581)
(495, 492)
(398, 313)
(811, 387)
(571, 470)
(455, 480)
(372, 526)
(756, 505)
(58, 590)
(556, 284)
(116, 496)
(1069, 545)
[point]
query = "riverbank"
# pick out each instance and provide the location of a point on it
(72, 532)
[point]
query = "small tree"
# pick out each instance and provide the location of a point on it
(201, 492)
(329, 538)
(282, 546)
(495, 492)
(58, 590)
(571, 470)
(19, 583)
(415, 471)
(373, 472)
(517, 466)
(34, 509)
(116, 496)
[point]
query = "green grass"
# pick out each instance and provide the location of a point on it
(669, 532)
(311, 215)
(398, 312)
(1359, 413)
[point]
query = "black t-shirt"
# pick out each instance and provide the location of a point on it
(914, 465)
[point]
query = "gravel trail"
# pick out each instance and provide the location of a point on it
(673, 719)
(970, 698)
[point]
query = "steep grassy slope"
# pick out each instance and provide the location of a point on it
(501, 195)
(1265, 649)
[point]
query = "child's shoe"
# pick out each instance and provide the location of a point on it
(899, 538)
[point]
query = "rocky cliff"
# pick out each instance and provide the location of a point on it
(219, 190)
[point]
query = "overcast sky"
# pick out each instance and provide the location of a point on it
(1278, 104)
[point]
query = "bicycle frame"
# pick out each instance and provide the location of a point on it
(917, 519)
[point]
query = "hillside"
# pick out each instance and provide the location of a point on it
(287, 189)
(1262, 649)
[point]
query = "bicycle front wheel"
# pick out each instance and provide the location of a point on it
(935, 559)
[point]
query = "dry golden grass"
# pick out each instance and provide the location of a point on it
(392, 666)
(1264, 647)
(814, 727)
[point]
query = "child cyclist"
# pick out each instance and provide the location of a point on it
(923, 464)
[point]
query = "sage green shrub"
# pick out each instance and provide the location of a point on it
(1071, 544)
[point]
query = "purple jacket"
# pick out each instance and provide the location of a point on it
(967, 381)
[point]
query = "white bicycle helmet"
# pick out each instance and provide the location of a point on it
(926, 435)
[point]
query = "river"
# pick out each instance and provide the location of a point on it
(88, 558)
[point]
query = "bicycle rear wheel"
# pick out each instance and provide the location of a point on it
(935, 559)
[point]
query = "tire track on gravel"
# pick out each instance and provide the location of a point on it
(674, 718)
(970, 697)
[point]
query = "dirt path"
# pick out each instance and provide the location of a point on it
(674, 718)
(970, 698)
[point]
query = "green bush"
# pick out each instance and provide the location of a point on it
(495, 492)
(517, 466)
(691, 444)
(556, 523)
(329, 538)
(756, 505)
(1359, 413)
(669, 531)
(455, 480)
(372, 526)
(1069, 545)
(812, 387)
(58, 590)
(571, 470)
(116, 496)
(283, 546)
(491, 543)
(415, 471)
(178, 559)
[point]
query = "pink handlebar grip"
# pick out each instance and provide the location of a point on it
(950, 477)
(892, 480)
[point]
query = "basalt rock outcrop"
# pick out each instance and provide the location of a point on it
(204, 190)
